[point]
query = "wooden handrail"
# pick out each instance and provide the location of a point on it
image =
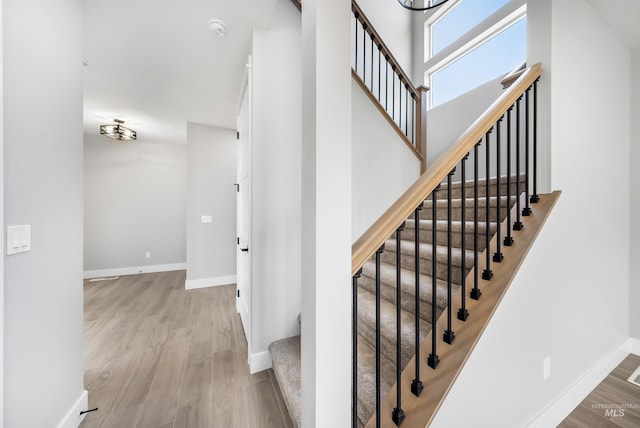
(380, 231)
(383, 47)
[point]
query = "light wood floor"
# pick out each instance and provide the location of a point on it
(157, 356)
(615, 394)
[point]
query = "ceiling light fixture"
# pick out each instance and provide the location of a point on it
(118, 132)
(217, 27)
(421, 4)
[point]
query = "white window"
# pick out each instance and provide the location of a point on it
(471, 42)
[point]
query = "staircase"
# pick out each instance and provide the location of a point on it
(285, 353)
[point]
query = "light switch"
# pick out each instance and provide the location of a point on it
(18, 239)
(206, 219)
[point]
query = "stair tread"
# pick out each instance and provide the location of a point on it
(426, 252)
(285, 355)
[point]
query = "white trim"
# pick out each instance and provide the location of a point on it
(634, 346)
(192, 284)
(133, 270)
(259, 362)
(560, 408)
(73, 418)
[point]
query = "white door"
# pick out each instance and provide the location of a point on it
(243, 268)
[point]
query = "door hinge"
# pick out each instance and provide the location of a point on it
(237, 135)
(238, 293)
(238, 241)
(237, 187)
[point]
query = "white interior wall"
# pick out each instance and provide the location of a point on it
(634, 255)
(569, 300)
(383, 166)
(211, 174)
(43, 175)
(394, 24)
(275, 182)
(135, 195)
(1, 222)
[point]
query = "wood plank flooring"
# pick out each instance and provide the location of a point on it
(157, 356)
(614, 403)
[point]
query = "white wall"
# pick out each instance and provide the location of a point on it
(276, 187)
(570, 299)
(634, 255)
(447, 122)
(211, 174)
(1, 223)
(135, 195)
(43, 175)
(394, 24)
(383, 166)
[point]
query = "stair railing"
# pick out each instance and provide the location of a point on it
(503, 145)
(378, 72)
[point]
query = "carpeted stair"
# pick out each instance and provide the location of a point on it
(286, 353)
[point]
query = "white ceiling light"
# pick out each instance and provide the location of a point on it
(217, 27)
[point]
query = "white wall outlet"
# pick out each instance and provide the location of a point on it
(18, 239)
(546, 370)
(147, 255)
(206, 219)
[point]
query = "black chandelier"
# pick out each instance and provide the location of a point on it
(421, 4)
(118, 132)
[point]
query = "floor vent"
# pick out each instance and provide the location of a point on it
(635, 377)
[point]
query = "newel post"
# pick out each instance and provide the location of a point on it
(421, 125)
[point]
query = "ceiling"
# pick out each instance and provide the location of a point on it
(623, 16)
(156, 64)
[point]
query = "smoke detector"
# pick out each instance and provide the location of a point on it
(217, 27)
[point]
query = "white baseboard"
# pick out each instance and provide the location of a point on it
(634, 346)
(73, 418)
(133, 270)
(259, 362)
(192, 284)
(559, 409)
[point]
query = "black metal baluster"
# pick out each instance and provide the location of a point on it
(379, 74)
(378, 397)
(475, 292)
(416, 384)
(463, 313)
(364, 53)
(354, 351)
(433, 359)
(413, 116)
(393, 94)
(508, 240)
(498, 257)
(398, 414)
(449, 336)
(356, 14)
(527, 209)
(386, 84)
(372, 43)
(517, 225)
(487, 274)
(406, 110)
(535, 198)
(400, 102)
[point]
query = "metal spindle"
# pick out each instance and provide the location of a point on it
(463, 313)
(498, 257)
(400, 102)
(386, 83)
(433, 359)
(393, 94)
(378, 397)
(379, 74)
(526, 211)
(398, 414)
(364, 52)
(354, 351)
(448, 336)
(535, 198)
(508, 240)
(356, 14)
(371, 71)
(416, 384)
(406, 109)
(517, 225)
(475, 292)
(487, 274)
(413, 115)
